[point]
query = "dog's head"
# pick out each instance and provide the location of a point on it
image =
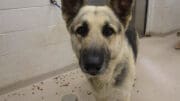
(97, 32)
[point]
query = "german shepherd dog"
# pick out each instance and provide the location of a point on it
(104, 45)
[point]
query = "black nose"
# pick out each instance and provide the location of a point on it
(92, 61)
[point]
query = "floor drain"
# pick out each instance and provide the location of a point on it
(69, 97)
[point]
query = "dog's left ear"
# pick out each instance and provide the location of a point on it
(70, 9)
(122, 9)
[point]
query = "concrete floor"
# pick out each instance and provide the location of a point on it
(158, 68)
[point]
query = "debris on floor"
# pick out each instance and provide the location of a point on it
(70, 86)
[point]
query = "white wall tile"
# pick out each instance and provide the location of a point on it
(34, 38)
(27, 18)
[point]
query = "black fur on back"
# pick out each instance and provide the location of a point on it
(132, 39)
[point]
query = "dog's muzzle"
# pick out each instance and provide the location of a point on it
(93, 61)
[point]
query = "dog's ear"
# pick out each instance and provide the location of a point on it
(70, 8)
(122, 9)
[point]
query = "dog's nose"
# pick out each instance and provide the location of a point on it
(93, 61)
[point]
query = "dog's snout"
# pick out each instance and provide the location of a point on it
(92, 61)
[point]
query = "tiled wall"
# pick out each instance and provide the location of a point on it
(33, 40)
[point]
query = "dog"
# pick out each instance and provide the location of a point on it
(104, 44)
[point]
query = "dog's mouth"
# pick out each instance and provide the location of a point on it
(94, 62)
(93, 71)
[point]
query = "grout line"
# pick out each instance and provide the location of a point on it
(26, 29)
(4, 9)
(28, 82)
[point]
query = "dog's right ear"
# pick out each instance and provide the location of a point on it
(122, 9)
(70, 9)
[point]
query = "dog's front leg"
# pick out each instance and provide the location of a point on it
(101, 96)
(100, 89)
(124, 83)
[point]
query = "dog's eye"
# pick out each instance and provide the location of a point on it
(107, 31)
(82, 30)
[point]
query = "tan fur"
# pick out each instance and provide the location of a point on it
(95, 35)
(121, 52)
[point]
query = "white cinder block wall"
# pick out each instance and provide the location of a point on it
(163, 16)
(33, 40)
